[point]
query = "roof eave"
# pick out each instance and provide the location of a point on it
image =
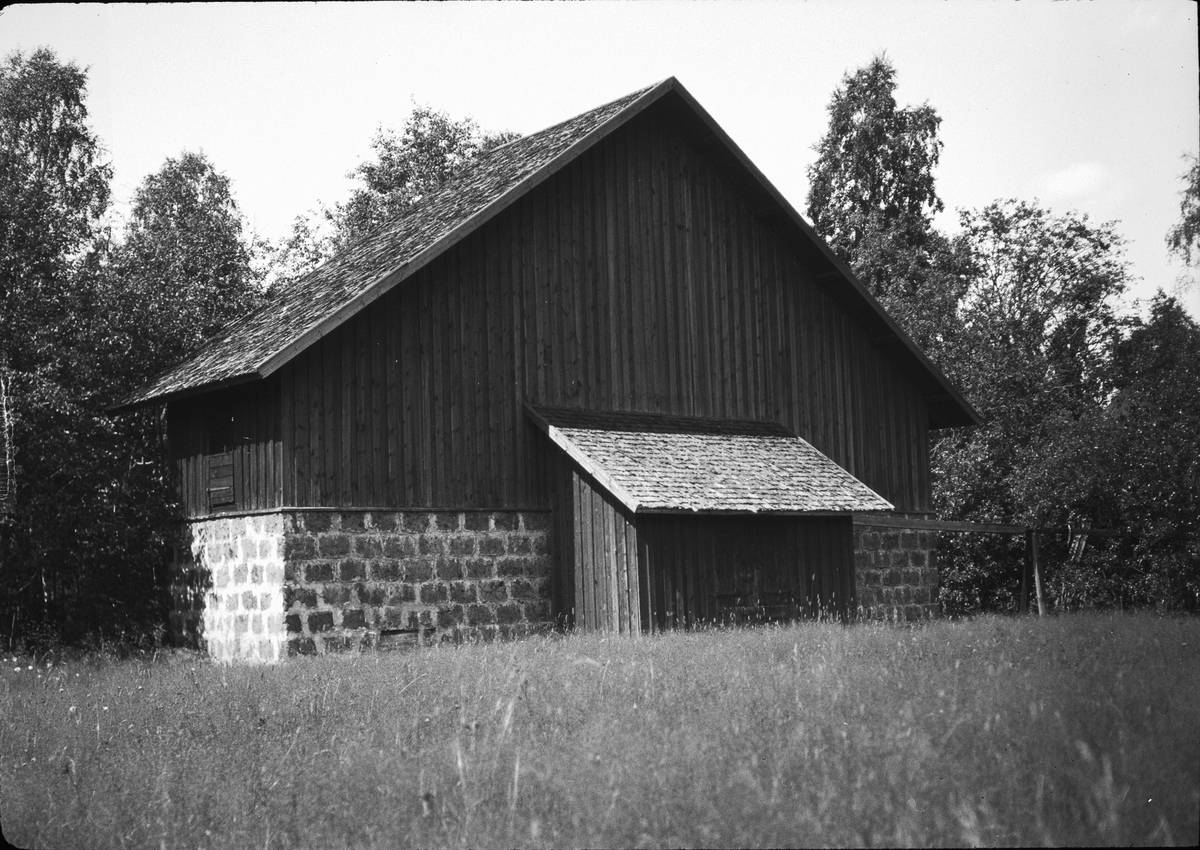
(849, 512)
(138, 400)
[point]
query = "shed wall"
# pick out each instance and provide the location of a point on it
(598, 564)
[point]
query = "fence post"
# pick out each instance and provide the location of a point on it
(1037, 572)
(1027, 568)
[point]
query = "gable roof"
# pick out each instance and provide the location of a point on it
(658, 464)
(262, 342)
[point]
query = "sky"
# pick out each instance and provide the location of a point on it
(1085, 106)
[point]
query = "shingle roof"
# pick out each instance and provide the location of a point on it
(247, 347)
(258, 345)
(656, 463)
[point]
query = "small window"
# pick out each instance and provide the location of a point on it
(220, 480)
(224, 436)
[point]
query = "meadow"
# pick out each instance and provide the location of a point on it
(1080, 729)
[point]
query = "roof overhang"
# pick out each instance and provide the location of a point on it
(653, 463)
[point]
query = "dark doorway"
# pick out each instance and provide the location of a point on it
(715, 570)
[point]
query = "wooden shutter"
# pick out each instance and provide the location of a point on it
(220, 480)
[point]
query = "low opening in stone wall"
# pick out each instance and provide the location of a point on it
(399, 638)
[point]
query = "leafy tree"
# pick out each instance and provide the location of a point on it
(1089, 418)
(1156, 457)
(1184, 238)
(53, 190)
(54, 187)
(82, 321)
(183, 270)
(69, 562)
(310, 244)
(431, 148)
(875, 164)
(1034, 354)
(872, 196)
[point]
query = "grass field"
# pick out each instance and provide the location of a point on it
(1079, 729)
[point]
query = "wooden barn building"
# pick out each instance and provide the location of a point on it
(606, 377)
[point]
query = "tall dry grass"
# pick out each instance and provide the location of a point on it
(1071, 730)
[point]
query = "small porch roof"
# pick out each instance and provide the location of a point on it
(658, 464)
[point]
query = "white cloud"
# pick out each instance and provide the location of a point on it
(1077, 181)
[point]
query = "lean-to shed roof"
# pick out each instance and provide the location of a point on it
(655, 464)
(259, 344)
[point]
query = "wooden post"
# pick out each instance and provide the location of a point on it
(1027, 568)
(1037, 573)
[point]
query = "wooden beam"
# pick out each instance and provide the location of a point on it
(126, 405)
(937, 525)
(884, 521)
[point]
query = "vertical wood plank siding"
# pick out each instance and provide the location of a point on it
(596, 585)
(635, 279)
(252, 415)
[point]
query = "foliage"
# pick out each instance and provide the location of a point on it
(1037, 336)
(872, 196)
(53, 190)
(183, 268)
(310, 243)
(83, 322)
(1018, 309)
(1156, 457)
(875, 164)
(1184, 238)
(431, 148)
(954, 734)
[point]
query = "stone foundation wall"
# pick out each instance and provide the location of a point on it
(896, 573)
(259, 588)
(358, 580)
(228, 588)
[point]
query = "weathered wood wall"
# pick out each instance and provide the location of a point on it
(719, 569)
(597, 583)
(242, 423)
(636, 279)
